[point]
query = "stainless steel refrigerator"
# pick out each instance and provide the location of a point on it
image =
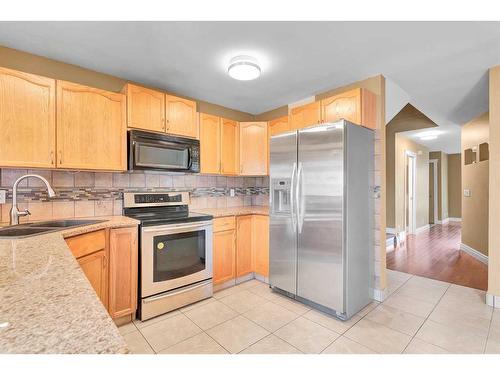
(321, 181)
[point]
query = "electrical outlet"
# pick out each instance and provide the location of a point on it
(3, 193)
(466, 193)
(232, 192)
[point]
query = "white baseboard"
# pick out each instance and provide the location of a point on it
(492, 300)
(443, 222)
(379, 294)
(455, 219)
(476, 254)
(390, 230)
(422, 228)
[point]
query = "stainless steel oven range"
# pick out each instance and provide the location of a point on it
(175, 261)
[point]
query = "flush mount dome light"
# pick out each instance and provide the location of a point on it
(243, 68)
(429, 135)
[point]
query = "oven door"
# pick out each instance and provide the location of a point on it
(174, 256)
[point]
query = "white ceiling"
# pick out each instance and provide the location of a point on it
(442, 66)
(448, 141)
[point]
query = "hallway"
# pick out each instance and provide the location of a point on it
(435, 253)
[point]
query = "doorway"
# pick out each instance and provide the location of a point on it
(410, 188)
(433, 191)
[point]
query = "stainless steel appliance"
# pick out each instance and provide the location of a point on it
(162, 152)
(321, 216)
(175, 252)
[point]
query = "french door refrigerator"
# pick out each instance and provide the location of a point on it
(321, 181)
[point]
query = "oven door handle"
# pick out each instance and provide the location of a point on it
(199, 224)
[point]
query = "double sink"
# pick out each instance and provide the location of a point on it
(33, 229)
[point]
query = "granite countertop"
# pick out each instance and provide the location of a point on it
(234, 211)
(47, 304)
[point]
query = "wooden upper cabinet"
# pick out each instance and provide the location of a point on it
(27, 120)
(91, 128)
(209, 143)
(357, 106)
(122, 271)
(254, 144)
(279, 125)
(244, 255)
(305, 115)
(260, 241)
(229, 143)
(181, 117)
(145, 108)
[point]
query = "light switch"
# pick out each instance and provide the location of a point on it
(2, 196)
(232, 192)
(466, 193)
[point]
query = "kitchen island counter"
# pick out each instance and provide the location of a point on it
(47, 304)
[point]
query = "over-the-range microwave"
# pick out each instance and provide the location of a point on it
(161, 152)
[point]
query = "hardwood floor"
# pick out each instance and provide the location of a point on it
(436, 254)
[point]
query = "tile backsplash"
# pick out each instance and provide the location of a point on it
(83, 194)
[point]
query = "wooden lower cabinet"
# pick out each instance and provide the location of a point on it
(109, 259)
(240, 247)
(260, 241)
(123, 253)
(95, 267)
(224, 256)
(244, 245)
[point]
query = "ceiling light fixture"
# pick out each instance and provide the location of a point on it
(429, 135)
(244, 68)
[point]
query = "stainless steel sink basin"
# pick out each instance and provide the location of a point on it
(14, 231)
(32, 229)
(65, 223)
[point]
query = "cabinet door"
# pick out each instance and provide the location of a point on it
(260, 241)
(122, 271)
(145, 108)
(244, 256)
(209, 143)
(279, 125)
(224, 254)
(229, 135)
(94, 266)
(342, 106)
(181, 117)
(27, 120)
(254, 143)
(306, 115)
(91, 128)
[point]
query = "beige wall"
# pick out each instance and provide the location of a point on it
(409, 118)
(494, 184)
(404, 144)
(475, 178)
(454, 185)
(442, 174)
(27, 62)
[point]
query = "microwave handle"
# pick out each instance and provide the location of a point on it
(190, 160)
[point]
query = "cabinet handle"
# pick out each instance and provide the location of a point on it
(52, 157)
(60, 157)
(168, 124)
(163, 124)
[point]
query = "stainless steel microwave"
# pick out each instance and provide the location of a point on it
(161, 152)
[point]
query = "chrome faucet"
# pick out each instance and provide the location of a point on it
(14, 211)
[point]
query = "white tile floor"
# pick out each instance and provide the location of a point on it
(419, 316)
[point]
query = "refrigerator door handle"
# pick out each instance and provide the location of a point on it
(298, 201)
(292, 197)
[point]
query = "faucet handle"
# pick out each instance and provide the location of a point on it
(25, 212)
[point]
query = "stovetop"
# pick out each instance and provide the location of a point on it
(149, 216)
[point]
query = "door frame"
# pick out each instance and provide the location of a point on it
(434, 162)
(412, 224)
